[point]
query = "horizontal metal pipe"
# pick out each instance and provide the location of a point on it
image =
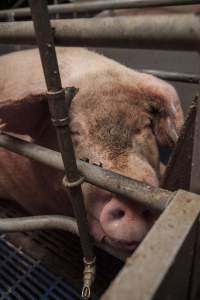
(154, 198)
(94, 6)
(37, 223)
(175, 32)
(46, 222)
(174, 76)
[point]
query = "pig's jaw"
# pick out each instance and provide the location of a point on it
(121, 245)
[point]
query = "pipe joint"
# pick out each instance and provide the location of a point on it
(60, 122)
(68, 184)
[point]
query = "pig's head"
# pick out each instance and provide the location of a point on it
(121, 128)
(116, 121)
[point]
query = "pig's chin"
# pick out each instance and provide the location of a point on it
(121, 245)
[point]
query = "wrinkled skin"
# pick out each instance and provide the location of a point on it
(117, 119)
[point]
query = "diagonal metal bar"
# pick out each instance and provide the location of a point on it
(141, 193)
(183, 171)
(59, 103)
(195, 170)
(178, 171)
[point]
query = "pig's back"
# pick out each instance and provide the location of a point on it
(21, 72)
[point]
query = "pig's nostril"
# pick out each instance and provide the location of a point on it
(117, 214)
(146, 213)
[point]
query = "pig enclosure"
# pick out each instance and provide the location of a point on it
(152, 272)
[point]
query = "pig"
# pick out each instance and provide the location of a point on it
(118, 119)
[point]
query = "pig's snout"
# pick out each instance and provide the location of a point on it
(123, 226)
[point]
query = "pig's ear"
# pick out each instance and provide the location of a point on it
(164, 106)
(23, 116)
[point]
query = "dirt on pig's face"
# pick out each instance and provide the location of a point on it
(117, 119)
(118, 131)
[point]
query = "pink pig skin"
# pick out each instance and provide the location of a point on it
(118, 118)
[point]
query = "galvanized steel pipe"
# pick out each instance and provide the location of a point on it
(59, 103)
(167, 32)
(37, 223)
(174, 76)
(96, 6)
(46, 222)
(154, 198)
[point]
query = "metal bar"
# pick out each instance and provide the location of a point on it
(160, 267)
(183, 172)
(94, 6)
(194, 280)
(195, 169)
(46, 222)
(176, 32)
(59, 102)
(17, 4)
(174, 76)
(154, 198)
(194, 187)
(178, 172)
(37, 223)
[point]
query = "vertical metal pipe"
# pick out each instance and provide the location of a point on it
(59, 103)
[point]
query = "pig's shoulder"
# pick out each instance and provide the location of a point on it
(20, 75)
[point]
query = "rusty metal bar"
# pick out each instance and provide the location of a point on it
(176, 32)
(151, 197)
(95, 6)
(160, 268)
(174, 76)
(59, 102)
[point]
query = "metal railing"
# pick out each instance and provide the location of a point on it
(95, 6)
(175, 32)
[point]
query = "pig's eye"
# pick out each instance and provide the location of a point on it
(75, 135)
(138, 131)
